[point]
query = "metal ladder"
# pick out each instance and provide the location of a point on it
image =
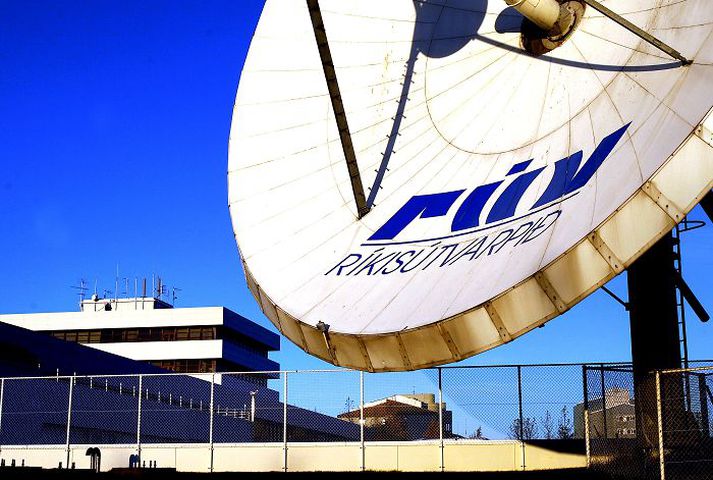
(685, 226)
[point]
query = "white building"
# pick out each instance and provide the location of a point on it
(192, 340)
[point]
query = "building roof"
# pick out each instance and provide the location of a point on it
(396, 405)
(136, 318)
(240, 341)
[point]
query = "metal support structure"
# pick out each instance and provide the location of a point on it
(654, 335)
(681, 286)
(520, 413)
(335, 95)
(668, 50)
(284, 420)
(440, 416)
(616, 297)
(543, 13)
(659, 422)
(586, 416)
(361, 420)
(138, 419)
(69, 416)
(212, 413)
(678, 262)
(691, 298)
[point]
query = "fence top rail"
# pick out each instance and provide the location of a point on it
(688, 370)
(209, 375)
(197, 375)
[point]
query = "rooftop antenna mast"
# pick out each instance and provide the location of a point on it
(116, 285)
(82, 289)
(174, 295)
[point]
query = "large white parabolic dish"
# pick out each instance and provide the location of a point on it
(507, 187)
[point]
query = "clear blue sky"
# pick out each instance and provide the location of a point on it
(113, 147)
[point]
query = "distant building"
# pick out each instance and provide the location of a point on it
(613, 418)
(402, 417)
(174, 407)
(186, 340)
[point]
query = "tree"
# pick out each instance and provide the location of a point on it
(478, 435)
(548, 426)
(526, 430)
(564, 425)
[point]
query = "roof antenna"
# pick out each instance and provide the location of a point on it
(82, 288)
(116, 285)
(174, 297)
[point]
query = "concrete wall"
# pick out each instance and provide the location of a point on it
(458, 456)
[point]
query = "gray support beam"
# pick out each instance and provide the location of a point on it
(638, 31)
(335, 95)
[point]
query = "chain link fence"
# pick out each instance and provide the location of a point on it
(685, 408)
(553, 408)
(660, 428)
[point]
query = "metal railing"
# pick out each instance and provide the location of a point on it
(659, 429)
(516, 405)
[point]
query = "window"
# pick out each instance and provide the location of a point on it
(187, 366)
(208, 333)
(116, 335)
(168, 334)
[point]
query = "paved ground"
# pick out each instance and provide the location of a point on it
(32, 473)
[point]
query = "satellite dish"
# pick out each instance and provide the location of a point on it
(499, 187)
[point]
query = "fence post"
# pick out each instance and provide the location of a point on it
(2, 396)
(522, 424)
(604, 402)
(284, 421)
(702, 390)
(138, 419)
(361, 420)
(587, 438)
(440, 415)
(210, 433)
(659, 417)
(69, 416)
